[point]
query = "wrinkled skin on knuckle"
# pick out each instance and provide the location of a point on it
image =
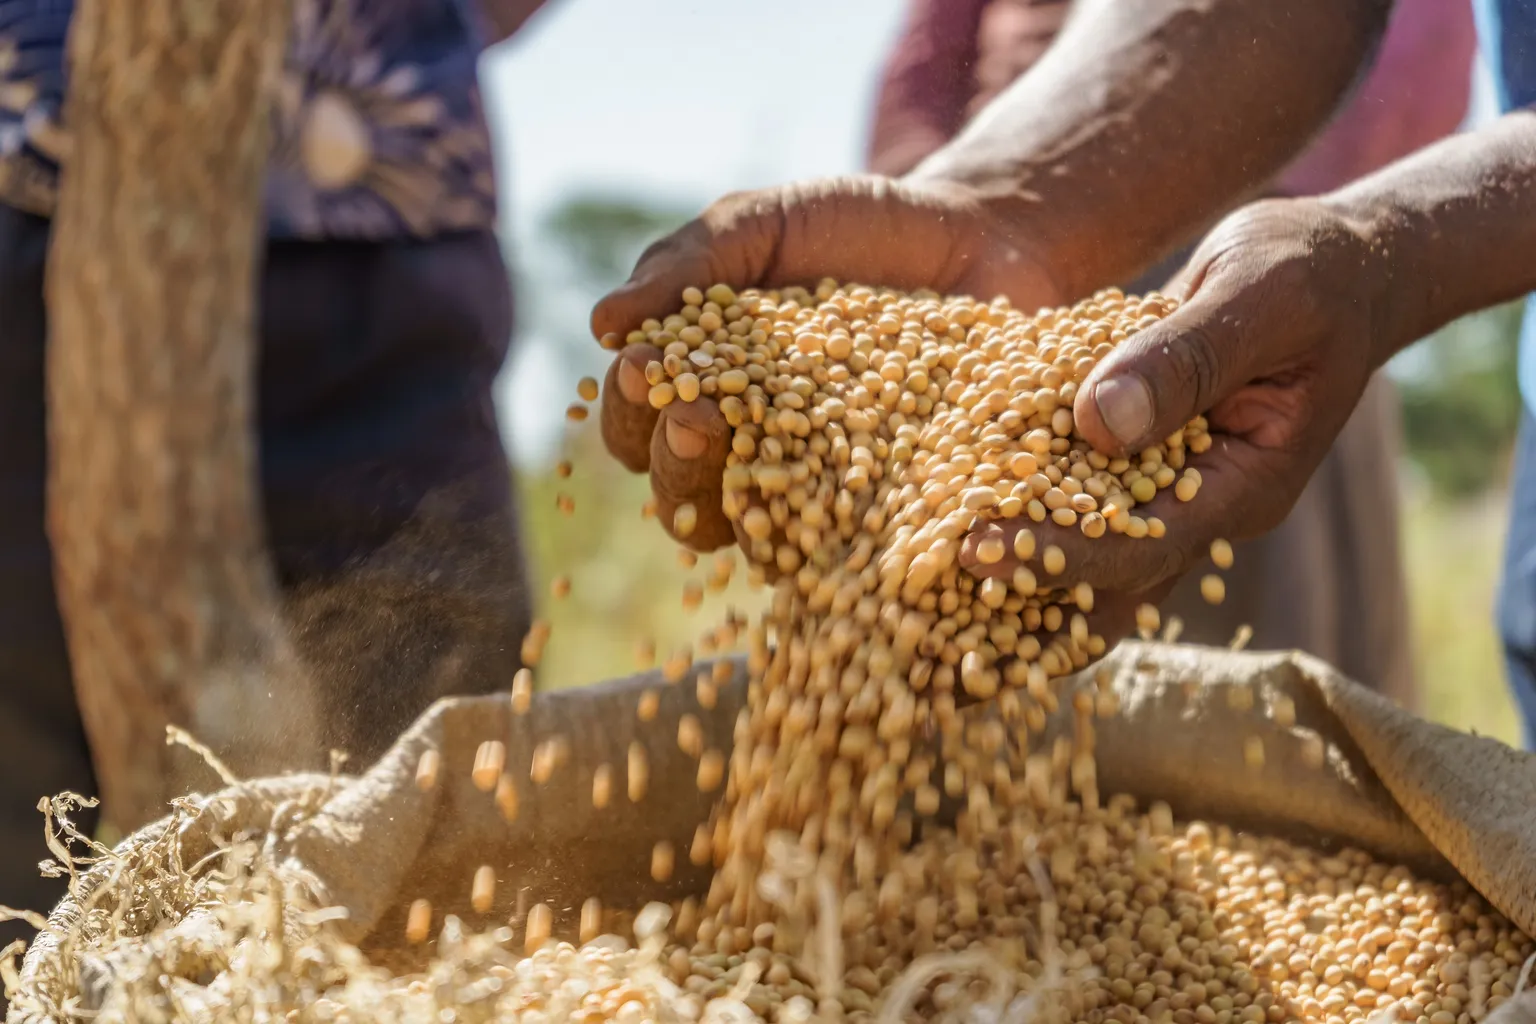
(1198, 357)
(900, 234)
(626, 426)
(729, 242)
(850, 228)
(689, 244)
(665, 247)
(745, 230)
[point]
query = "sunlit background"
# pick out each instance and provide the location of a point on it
(618, 119)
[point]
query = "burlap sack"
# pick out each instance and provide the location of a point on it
(1406, 790)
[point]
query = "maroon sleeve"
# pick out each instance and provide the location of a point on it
(1416, 93)
(927, 83)
(1013, 35)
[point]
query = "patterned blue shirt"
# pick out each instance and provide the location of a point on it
(378, 126)
(1507, 33)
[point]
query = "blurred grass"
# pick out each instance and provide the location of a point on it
(626, 585)
(626, 581)
(1452, 553)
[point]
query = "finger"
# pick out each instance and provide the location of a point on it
(1163, 376)
(731, 243)
(655, 287)
(865, 227)
(628, 419)
(1185, 280)
(688, 452)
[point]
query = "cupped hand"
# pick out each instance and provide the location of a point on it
(1275, 339)
(867, 230)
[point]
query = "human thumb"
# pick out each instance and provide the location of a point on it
(1159, 379)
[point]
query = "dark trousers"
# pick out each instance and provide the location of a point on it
(388, 503)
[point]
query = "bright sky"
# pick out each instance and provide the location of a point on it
(681, 98)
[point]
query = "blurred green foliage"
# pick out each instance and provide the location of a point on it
(1451, 553)
(1460, 402)
(583, 248)
(600, 237)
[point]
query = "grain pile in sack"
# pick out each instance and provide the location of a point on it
(820, 831)
(296, 896)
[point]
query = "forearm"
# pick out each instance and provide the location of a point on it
(1148, 118)
(1453, 228)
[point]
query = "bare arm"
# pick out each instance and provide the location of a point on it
(1453, 228)
(1149, 117)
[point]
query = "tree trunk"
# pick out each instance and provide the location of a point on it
(170, 604)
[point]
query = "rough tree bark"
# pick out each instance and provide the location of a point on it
(169, 601)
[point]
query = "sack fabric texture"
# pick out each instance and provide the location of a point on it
(1408, 791)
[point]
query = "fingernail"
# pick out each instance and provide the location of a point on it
(1125, 405)
(685, 442)
(632, 383)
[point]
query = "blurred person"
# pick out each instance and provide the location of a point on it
(1329, 580)
(384, 317)
(1508, 28)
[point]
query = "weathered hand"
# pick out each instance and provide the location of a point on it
(867, 229)
(1275, 339)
